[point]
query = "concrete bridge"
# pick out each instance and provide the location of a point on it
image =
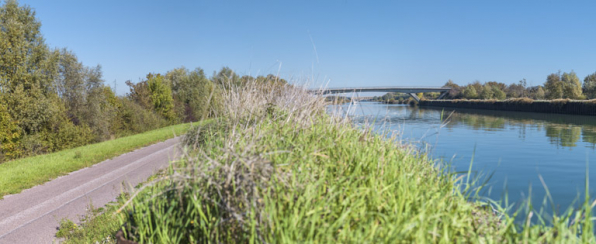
(359, 98)
(411, 90)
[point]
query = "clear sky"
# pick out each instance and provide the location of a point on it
(345, 43)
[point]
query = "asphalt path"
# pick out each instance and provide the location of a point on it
(33, 216)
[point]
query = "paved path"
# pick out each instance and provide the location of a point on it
(33, 215)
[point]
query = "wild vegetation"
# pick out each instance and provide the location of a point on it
(50, 101)
(274, 167)
(277, 168)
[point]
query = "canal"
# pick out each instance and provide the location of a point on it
(516, 148)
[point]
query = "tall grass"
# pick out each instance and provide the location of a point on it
(276, 168)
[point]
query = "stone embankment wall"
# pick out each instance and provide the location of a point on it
(559, 106)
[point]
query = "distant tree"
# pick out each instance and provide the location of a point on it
(226, 78)
(498, 93)
(589, 86)
(477, 86)
(195, 95)
(572, 85)
(554, 86)
(70, 84)
(517, 90)
(271, 79)
(161, 96)
(487, 92)
(202, 96)
(451, 84)
(132, 118)
(470, 92)
(524, 84)
(455, 91)
(176, 78)
(501, 86)
(100, 105)
(539, 94)
(140, 94)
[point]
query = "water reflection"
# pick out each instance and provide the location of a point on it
(561, 130)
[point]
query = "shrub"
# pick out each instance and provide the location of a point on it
(134, 119)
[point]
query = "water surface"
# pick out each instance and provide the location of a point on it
(516, 147)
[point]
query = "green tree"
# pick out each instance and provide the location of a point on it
(572, 85)
(161, 96)
(477, 86)
(27, 69)
(554, 86)
(70, 84)
(589, 86)
(226, 78)
(516, 90)
(498, 93)
(9, 136)
(132, 118)
(539, 94)
(194, 92)
(487, 92)
(140, 94)
(455, 91)
(25, 58)
(100, 106)
(451, 84)
(470, 92)
(499, 85)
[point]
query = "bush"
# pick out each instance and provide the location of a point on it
(132, 119)
(9, 136)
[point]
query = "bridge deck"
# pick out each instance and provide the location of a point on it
(409, 90)
(381, 89)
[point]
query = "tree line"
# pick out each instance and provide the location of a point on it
(50, 101)
(556, 86)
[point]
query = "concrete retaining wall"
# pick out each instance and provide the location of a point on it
(522, 105)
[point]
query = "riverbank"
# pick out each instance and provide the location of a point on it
(276, 169)
(559, 106)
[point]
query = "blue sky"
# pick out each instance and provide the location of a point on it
(346, 43)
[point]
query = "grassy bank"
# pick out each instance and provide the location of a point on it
(25, 173)
(277, 169)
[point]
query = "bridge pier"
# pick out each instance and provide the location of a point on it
(442, 95)
(413, 95)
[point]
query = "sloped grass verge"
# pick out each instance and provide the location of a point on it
(278, 182)
(25, 173)
(281, 183)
